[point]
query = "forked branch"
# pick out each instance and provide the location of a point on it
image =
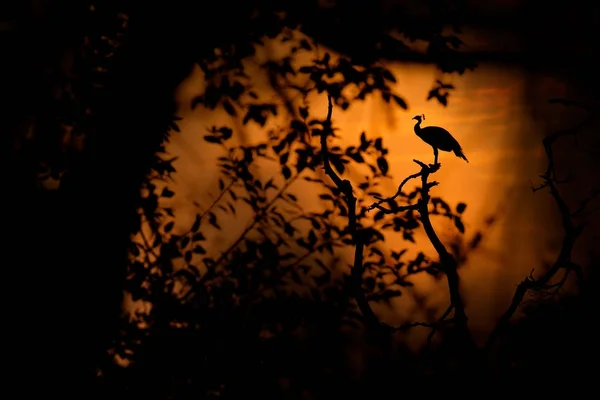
(572, 231)
(449, 264)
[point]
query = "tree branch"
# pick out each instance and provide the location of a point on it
(346, 188)
(572, 232)
(448, 263)
(447, 260)
(260, 214)
(398, 193)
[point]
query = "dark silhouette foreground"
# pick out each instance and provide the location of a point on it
(228, 337)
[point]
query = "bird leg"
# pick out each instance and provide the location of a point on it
(435, 156)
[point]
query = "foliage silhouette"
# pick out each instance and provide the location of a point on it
(256, 268)
(257, 264)
(227, 325)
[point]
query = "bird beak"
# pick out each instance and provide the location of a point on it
(414, 118)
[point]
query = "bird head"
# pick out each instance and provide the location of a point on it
(419, 117)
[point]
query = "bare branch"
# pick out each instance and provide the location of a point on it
(398, 193)
(395, 210)
(440, 322)
(572, 231)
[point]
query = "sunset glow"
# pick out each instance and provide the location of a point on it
(488, 115)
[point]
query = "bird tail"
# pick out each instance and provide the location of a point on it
(459, 153)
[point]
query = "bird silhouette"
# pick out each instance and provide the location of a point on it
(438, 138)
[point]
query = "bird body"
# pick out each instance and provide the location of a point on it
(438, 138)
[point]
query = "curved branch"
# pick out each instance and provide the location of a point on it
(346, 188)
(572, 231)
(398, 192)
(448, 263)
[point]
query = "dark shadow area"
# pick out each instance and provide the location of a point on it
(281, 311)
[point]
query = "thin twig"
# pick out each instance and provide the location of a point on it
(260, 214)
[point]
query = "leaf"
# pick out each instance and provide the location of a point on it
(287, 173)
(226, 132)
(363, 138)
(387, 74)
(383, 165)
(389, 294)
(459, 225)
(196, 224)
(187, 256)
(400, 101)
(185, 241)
(443, 99)
(198, 237)
(212, 219)
(303, 112)
(288, 229)
(396, 255)
(305, 44)
(376, 251)
(169, 226)
(283, 158)
(167, 193)
(174, 127)
(298, 126)
(157, 240)
(199, 250)
(460, 208)
(312, 238)
(302, 161)
(356, 157)
(229, 109)
(212, 139)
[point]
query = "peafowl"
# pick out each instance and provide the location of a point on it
(438, 138)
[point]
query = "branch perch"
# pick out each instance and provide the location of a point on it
(449, 264)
